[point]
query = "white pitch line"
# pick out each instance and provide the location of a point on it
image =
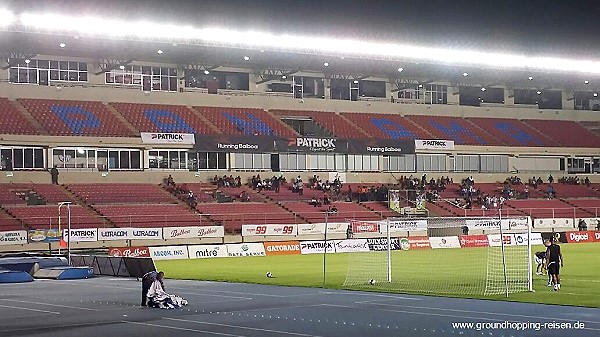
(182, 329)
(52, 305)
(28, 309)
(242, 327)
(183, 292)
(480, 312)
(375, 295)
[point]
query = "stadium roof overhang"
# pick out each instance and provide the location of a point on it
(213, 48)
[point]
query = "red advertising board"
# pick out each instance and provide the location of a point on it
(474, 240)
(596, 236)
(364, 227)
(129, 252)
(419, 242)
(581, 237)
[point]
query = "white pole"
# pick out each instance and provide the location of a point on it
(59, 206)
(69, 237)
(502, 245)
(389, 252)
(530, 269)
(325, 250)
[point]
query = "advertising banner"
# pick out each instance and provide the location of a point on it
(268, 230)
(364, 226)
(380, 146)
(282, 248)
(169, 253)
(193, 232)
(109, 234)
(351, 246)
(168, 138)
(473, 241)
(316, 247)
(81, 235)
(434, 144)
(234, 143)
(44, 235)
(535, 238)
(13, 238)
(381, 244)
(494, 224)
(403, 226)
(319, 228)
(207, 251)
(496, 241)
(311, 144)
(444, 242)
(419, 242)
(580, 237)
(245, 249)
(146, 233)
(129, 252)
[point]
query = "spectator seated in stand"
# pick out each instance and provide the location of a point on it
(332, 209)
(244, 196)
(191, 199)
(550, 192)
(315, 202)
(582, 225)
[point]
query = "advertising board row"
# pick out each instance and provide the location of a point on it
(111, 234)
(341, 246)
(359, 226)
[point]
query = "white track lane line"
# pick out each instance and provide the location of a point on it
(478, 312)
(182, 329)
(52, 305)
(28, 309)
(241, 327)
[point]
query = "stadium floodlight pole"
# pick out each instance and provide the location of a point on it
(68, 203)
(502, 247)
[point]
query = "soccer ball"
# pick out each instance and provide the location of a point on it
(372, 281)
(269, 274)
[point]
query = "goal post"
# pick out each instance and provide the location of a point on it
(454, 256)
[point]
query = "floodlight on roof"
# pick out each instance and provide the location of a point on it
(595, 94)
(120, 29)
(586, 82)
(6, 17)
(62, 45)
(159, 52)
(246, 58)
(538, 92)
(465, 74)
(483, 89)
(326, 64)
(121, 67)
(400, 69)
(530, 78)
(27, 61)
(206, 72)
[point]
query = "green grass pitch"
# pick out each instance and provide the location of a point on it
(580, 278)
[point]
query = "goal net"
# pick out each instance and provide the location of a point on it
(452, 256)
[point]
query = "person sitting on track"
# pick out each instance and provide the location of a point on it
(159, 298)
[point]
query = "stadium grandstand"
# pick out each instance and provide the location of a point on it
(191, 127)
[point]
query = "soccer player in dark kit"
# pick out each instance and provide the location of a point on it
(553, 259)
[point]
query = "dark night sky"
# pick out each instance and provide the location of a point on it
(551, 27)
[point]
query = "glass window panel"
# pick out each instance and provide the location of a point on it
(13, 75)
(113, 159)
(163, 157)
(153, 159)
(18, 158)
(38, 158)
(53, 64)
(212, 160)
(54, 75)
(63, 65)
(222, 161)
(28, 158)
(136, 159)
(43, 64)
(57, 155)
(69, 159)
(64, 75)
(174, 159)
(6, 159)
